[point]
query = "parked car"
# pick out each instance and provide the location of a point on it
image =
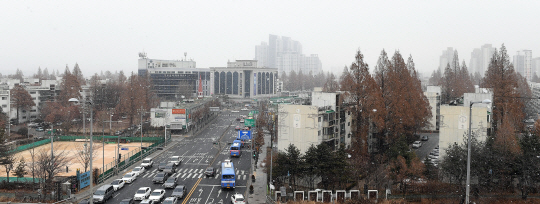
(32, 125)
(127, 201)
(179, 191)
(425, 138)
(162, 165)
(39, 129)
(157, 195)
(138, 170)
(84, 201)
(210, 172)
(142, 193)
(129, 177)
(118, 184)
(147, 163)
(170, 200)
(417, 144)
(118, 132)
(238, 199)
(170, 183)
(160, 177)
(103, 194)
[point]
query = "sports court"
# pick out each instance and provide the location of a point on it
(71, 152)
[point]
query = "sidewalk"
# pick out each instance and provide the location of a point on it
(86, 193)
(260, 184)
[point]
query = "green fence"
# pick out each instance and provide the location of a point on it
(111, 138)
(30, 146)
(22, 179)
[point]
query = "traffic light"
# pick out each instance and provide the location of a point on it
(254, 154)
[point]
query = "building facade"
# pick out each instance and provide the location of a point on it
(433, 94)
(175, 79)
(243, 79)
(446, 58)
(286, 54)
(480, 58)
(523, 63)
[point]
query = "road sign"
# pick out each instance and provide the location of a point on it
(244, 135)
(249, 122)
(124, 148)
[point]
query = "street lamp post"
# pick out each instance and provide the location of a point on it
(75, 100)
(468, 182)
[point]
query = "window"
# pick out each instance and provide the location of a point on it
(32, 92)
(349, 113)
(4, 106)
(319, 119)
(319, 133)
(24, 117)
(349, 124)
(4, 98)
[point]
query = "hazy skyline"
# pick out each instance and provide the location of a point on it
(107, 35)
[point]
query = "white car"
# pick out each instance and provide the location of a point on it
(238, 199)
(157, 195)
(416, 144)
(129, 177)
(175, 160)
(138, 170)
(147, 201)
(170, 200)
(235, 111)
(244, 109)
(142, 193)
(147, 163)
(118, 184)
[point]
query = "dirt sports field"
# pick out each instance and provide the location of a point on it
(71, 148)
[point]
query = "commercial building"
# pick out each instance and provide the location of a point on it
(182, 117)
(243, 79)
(174, 80)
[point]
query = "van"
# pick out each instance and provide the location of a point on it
(103, 194)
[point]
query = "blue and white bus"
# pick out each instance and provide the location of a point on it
(228, 177)
(235, 149)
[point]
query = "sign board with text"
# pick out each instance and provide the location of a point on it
(244, 135)
(178, 111)
(249, 122)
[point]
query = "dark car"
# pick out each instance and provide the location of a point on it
(170, 183)
(160, 177)
(84, 201)
(210, 172)
(179, 191)
(127, 201)
(170, 168)
(425, 138)
(162, 166)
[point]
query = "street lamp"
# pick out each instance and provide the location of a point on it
(467, 185)
(76, 101)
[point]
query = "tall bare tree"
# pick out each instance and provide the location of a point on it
(21, 99)
(83, 154)
(48, 167)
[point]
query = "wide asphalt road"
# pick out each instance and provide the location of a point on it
(199, 152)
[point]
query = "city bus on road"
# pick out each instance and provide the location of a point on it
(235, 149)
(228, 177)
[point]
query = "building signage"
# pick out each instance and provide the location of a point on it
(84, 179)
(178, 111)
(248, 64)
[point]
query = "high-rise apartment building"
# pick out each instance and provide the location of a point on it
(535, 66)
(286, 54)
(446, 58)
(480, 58)
(522, 63)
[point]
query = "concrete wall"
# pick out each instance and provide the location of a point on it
(298, 125)
(454, 124)
(433, 98)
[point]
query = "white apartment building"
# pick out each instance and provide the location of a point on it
(480, 58)
(446, 58)
(433, 94)
(522, 63)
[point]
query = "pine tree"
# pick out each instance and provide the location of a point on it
(78, 73)
(20, 170)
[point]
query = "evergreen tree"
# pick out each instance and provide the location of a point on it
(20, 170)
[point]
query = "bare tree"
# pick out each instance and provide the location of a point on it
(82, 154)
(48, 167)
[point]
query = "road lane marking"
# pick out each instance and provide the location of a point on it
(191, 191)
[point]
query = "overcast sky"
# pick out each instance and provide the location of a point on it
(107, 35)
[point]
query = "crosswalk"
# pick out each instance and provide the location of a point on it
(194, 173)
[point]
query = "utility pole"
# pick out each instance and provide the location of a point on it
(142, 112)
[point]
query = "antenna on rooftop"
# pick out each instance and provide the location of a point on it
(185, 56)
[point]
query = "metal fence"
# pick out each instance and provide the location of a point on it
(130, 158)
(30, 146)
